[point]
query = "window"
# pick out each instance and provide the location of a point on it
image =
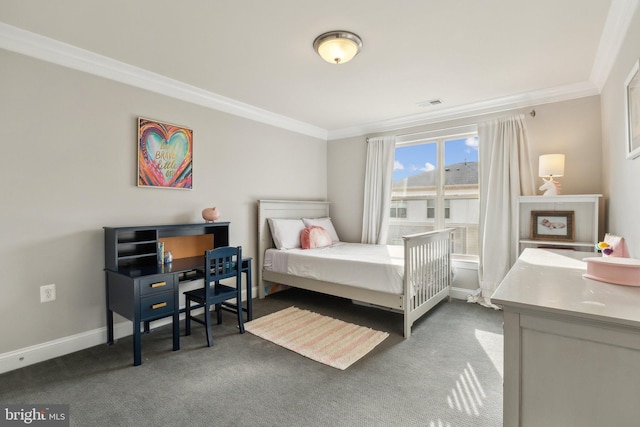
(435, 186)
(398, 209)
(431, 208)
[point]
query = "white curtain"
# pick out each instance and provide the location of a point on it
(505, 174)
(377, 189)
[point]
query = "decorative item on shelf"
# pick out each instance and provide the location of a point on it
(211, 214)
(550, 166)
(604, 248)
(160, 253)
(613, 246)
(337, 47)
(168, 257)
(552, 225)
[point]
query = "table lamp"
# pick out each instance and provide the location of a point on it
(550, 166)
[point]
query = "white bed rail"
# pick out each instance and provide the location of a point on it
(427, 273)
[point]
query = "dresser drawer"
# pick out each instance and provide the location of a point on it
(157, 305)
(155, 284)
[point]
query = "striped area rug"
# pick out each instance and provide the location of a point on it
(320, 338)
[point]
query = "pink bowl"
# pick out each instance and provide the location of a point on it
(619, 271)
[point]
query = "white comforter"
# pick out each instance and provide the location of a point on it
(375, 267)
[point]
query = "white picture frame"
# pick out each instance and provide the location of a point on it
(632, 110)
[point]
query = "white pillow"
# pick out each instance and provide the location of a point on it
(286, 232)
(324, 223)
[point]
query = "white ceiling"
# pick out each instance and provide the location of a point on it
(472, 54)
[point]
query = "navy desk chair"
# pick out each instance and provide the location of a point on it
(220, 263)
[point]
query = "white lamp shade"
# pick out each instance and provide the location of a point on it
(551, 165)
(337, 47)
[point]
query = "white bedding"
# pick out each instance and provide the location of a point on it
(375, 267)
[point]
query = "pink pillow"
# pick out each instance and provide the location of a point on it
(314, 237)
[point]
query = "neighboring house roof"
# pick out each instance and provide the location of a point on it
(465, 173)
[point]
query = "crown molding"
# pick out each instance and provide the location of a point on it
(529, 99)
(50, 50)
(615, 30)
(53, 51)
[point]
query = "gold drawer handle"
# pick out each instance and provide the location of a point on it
(159, 305)
(159, 284)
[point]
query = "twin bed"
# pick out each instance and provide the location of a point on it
(412, 278)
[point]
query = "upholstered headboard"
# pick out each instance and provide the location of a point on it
(282, 209)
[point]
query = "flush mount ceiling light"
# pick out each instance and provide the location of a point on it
(337, 47)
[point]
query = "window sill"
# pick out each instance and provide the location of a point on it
(471, 261)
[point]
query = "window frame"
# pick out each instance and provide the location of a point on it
(439, 137)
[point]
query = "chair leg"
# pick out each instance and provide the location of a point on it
(219, 313)
(187, 317)
(207, 325)
(240, 315)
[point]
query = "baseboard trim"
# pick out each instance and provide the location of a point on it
(23, 357)
(39, 353)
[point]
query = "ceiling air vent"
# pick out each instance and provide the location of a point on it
(430, 103)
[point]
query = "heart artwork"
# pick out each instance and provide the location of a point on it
(164, 155)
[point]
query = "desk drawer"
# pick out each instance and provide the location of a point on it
(155, 284)
(156, 306)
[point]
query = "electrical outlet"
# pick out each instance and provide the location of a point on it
(47, 293)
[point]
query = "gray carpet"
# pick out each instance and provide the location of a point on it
(447, 374)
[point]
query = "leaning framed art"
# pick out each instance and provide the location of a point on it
(165, 155)
(632, 110)
(552, 225)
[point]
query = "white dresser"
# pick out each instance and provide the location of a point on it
(571, 345)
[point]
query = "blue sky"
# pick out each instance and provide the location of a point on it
(415, 159)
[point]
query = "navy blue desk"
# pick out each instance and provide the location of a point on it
(142, 291)
(148, 293)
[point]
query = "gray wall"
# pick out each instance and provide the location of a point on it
(621, 175)
(69, 168)
(569, 127)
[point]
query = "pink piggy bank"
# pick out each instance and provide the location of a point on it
(211, 214)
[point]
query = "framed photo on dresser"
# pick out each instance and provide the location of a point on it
(552, 225)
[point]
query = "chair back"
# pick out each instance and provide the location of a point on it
(222, 263)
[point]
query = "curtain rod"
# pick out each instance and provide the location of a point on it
(532, 113)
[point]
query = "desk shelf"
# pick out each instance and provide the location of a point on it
(131, 246)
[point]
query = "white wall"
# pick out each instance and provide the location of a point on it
(69, 168)
(621, 175)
